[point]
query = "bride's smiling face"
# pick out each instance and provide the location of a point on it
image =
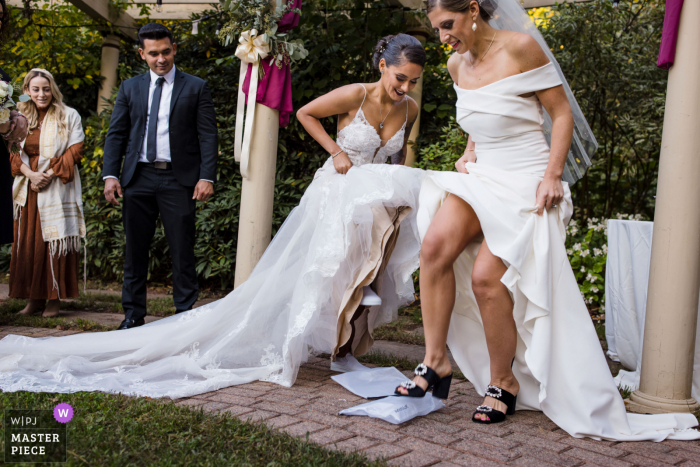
(455, 28)
(400, 79)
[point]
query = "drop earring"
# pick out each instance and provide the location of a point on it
(474, 26)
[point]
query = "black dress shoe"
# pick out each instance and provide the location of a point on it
(130, 323)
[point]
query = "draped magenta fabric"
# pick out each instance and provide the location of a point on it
(275, 88)
(672, 18)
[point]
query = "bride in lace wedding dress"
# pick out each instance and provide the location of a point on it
(340, 247)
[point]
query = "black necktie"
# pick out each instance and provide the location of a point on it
(153, 121)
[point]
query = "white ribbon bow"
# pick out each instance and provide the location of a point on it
(251, 49)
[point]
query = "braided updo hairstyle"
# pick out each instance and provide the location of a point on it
(486, 7)
(397, 50)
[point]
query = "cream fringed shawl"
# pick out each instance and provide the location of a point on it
(60, 205)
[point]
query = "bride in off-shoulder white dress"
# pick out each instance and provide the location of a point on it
(558, 362)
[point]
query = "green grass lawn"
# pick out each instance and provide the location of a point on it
(109, 430)
(12, 318)
(112, 303)
(402, 329)
(96, 303)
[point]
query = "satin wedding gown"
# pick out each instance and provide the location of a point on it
(559, 363)
(300, 296)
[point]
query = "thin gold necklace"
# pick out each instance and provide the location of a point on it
(487, 51)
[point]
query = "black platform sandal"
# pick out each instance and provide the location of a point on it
(440, 386)
(496, 416)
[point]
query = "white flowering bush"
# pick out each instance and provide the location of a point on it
(587, 247)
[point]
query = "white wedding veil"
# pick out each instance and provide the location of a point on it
(510, 15)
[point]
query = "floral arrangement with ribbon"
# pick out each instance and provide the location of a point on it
(254, 22)
(262, 16)
(252, 49)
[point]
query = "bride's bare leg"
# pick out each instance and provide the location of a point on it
(496, 309)
(454, 226)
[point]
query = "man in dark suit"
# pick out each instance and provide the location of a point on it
(163, 127)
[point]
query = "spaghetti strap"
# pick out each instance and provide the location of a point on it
(363, 99)
(406, 121)
(337, 122)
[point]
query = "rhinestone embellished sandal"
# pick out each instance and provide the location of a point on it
(496, 416)
(440, 386)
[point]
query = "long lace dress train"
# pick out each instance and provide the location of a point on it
(343, 235)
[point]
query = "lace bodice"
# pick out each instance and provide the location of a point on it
(362, 143)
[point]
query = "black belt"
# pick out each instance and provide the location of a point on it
(161, 165)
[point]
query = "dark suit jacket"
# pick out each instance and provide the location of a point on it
(194, 144)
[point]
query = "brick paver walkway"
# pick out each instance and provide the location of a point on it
(443, 438)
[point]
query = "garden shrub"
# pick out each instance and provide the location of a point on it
(587, 248)
(606, 52)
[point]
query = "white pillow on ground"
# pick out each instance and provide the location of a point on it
(397, 409)
(372, 382)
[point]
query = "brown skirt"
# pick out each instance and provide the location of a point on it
(354, 322)
(31, 263)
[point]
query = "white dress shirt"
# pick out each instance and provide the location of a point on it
(163, 126)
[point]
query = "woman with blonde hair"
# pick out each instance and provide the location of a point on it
(48, 207)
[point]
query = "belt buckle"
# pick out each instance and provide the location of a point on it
(160, 165)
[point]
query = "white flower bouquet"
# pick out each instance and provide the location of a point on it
(6, 102)
(6, 105)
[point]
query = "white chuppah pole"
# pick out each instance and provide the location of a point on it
(108, 69)
(256, 150)
(257, 193)
(674, 276)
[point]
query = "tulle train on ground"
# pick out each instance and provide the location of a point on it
(265, 328)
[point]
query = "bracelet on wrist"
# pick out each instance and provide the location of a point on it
(333, 155)
(8, 132)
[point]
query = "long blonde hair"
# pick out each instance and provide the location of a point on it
(57, 107)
